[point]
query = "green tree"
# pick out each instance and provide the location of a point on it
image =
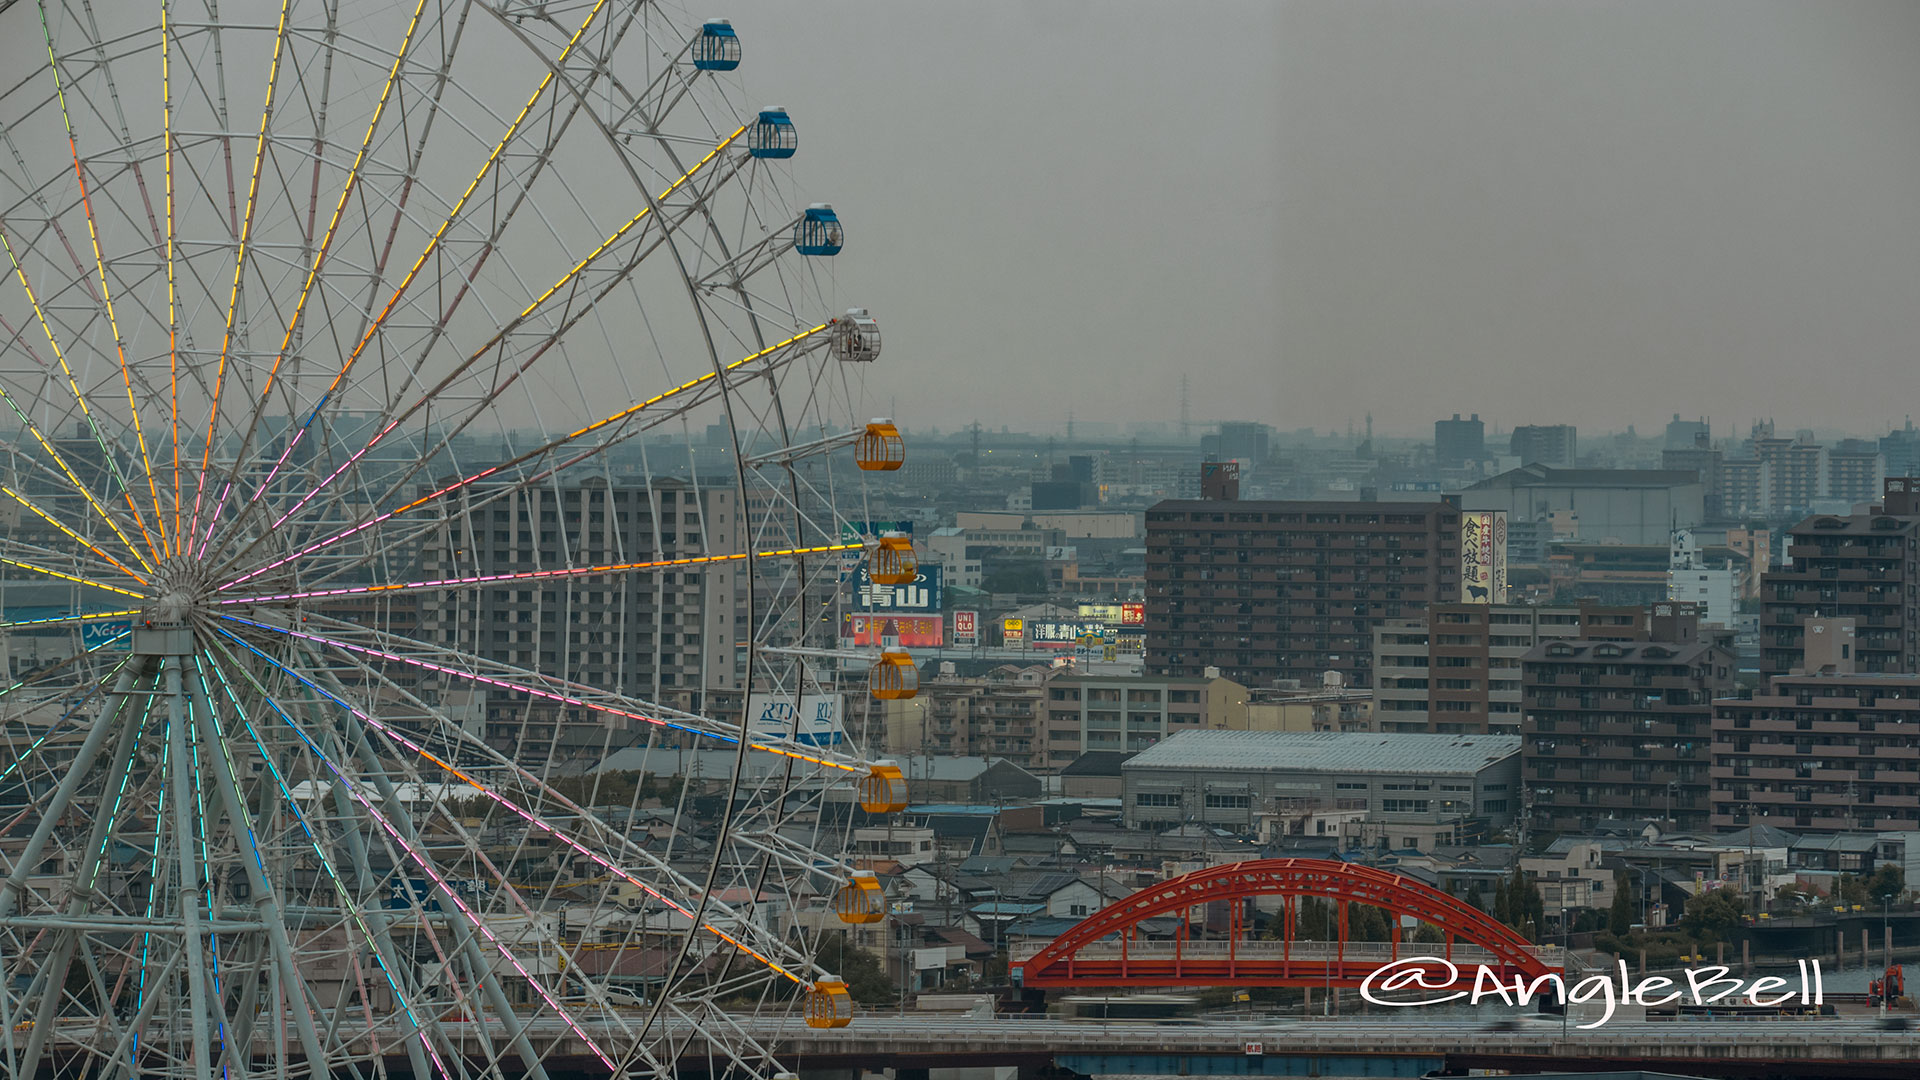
(1367, 923)
(1476, 896)
(1887, 883)
(1712, 914)
(1620, 915)
(866, 976)
(1502, 905)
(1851, 889)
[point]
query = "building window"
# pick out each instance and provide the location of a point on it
(1155, 798)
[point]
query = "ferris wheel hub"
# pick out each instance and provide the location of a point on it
(181, 586)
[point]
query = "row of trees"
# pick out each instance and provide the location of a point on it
(1516, 903)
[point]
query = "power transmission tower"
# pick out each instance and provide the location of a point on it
(1183, 409)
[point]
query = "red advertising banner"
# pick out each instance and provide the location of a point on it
(1133, 614)
(966, 627)
(914, 631)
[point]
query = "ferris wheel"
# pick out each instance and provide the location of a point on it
(434, 456)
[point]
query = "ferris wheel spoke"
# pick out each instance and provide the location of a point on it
(77, 538)
(501, 218)
(402, 834)
(425, 1024)
(106, 300)
(778, 353)
(246, 232)
(722, 923)
(446, 584)
(577, 283)
(355, 807)
(376, 935)
(320, 253)
(549, 688)
(27, 424)
(19, 565)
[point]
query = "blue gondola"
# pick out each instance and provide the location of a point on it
(818, 231)
(717, 48)
(773, 135)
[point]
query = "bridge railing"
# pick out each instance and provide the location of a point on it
(1266, 951)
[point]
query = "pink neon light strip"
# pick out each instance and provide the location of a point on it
(545, 826)
(353, 792)
(549, 695)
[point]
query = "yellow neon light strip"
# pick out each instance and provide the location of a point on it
(71, 618)
(339, 208)
(433, 244)
(512, 324)
(76, 537)
(173, 318)
(246, 234)
(70, 577)
(622, 231)
(106, 298)
(536, 575)
(47, 328)
(510, 463)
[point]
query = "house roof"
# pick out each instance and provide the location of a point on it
(1327, 751)
(1097, 763)
(1537, 475)
(950, 769)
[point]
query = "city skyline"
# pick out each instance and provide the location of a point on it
(1367, 207)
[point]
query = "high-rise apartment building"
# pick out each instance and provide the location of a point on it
(1457, 442)
(1833, 752)
(1861, 566)
(1623, 729)
(1290, 590)
(1900, 450)
(1457, 670)
(1555, 445)
(1798, 468)
(1855, 470)
(667, 635)
(999, 714)
(1746, 488)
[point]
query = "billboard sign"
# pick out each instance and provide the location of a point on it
(815, 720)
(1483, 557)
(921, 594)
(1013, 631)
(95, 634)
(914, 631)
(1134, 614)
(966, 628)
(1066, 632)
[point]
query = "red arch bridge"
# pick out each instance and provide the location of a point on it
(1108, 949)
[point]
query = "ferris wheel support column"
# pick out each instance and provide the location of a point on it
(266, 902)
(193, 940)
(52, 977)
(29, 855)
(483, 971)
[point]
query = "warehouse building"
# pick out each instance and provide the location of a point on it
(1419, 781)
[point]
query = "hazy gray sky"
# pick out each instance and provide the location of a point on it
(1543, 212)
